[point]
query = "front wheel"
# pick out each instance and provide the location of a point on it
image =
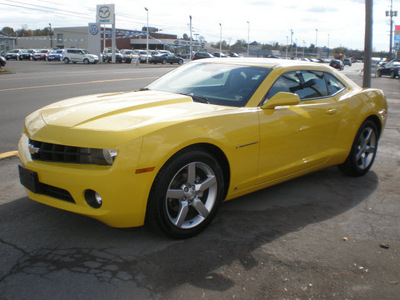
(86, 61)
(363, 150)
(186, 194)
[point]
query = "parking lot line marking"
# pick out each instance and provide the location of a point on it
(8, 154)
(75, 83)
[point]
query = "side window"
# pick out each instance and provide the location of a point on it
(314, 85)
(334, 85)
(289, 82)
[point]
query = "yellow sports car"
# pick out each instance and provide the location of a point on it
(209, 131)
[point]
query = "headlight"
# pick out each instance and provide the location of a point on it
(98, 156)
(67, 154)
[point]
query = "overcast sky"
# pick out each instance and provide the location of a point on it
(339, 22)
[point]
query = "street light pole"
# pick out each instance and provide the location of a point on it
(191, 39)
(147, 36)
(51, 40)
(328, 45)
(248, 38)
(220, 39)
(316, 43)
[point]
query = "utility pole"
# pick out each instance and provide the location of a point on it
(368, 44)
(391, 14)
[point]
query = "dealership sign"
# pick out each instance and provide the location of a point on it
(105, 13)
(187, 43)
(397, 33)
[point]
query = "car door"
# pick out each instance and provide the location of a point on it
(297, 137)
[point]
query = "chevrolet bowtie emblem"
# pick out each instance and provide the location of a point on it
(33, 149)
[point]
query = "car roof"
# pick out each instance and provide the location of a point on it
(263, 62)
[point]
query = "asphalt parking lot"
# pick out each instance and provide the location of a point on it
(321, 236)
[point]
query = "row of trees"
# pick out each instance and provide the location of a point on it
(241, 47)
(25, 31)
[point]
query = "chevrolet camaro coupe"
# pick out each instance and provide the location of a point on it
(209, 131)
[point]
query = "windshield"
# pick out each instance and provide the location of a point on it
(221, 84)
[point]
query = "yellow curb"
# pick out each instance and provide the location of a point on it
(8, 154)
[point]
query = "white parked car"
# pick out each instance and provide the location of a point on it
(79, 55)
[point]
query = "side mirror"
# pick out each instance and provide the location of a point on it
(281, 99)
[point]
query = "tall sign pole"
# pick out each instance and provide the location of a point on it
(105, 14)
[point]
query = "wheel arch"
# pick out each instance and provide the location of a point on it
(377, 122)
(214, 151)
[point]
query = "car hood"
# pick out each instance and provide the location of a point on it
(124, 111)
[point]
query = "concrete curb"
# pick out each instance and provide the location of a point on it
(8, 154)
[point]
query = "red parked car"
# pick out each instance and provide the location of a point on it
(41, 54)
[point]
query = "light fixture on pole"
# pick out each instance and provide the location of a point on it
(220, 39)
(147, 36)
(248, 38)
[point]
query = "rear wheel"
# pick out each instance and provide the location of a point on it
(186, 194)
(363, 151)
(66, 60)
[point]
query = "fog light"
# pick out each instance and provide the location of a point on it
(93, 199)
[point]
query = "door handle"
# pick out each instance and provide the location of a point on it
(331, 111)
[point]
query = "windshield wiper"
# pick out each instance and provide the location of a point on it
(199, 99)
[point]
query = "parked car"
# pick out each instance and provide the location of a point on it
(75, 55)
(41, 54)
(234, 54)
(391, 69)
(200, 55)
(167, 58)
(144, 56)
(128, 55)
(26, 54)
(3, 61)
(219, 54)
(107, 55)
(55, 55)
(13, 54)
(204, 133)
(347, 62)
(337, 64)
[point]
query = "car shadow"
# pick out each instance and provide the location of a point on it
(41, 240)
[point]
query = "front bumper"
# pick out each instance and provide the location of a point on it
(124, 193)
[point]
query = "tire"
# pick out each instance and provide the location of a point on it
(66, 60)
(186, 194)
(363, 151)
(86, 61)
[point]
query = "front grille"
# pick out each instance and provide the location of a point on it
(58, 153)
